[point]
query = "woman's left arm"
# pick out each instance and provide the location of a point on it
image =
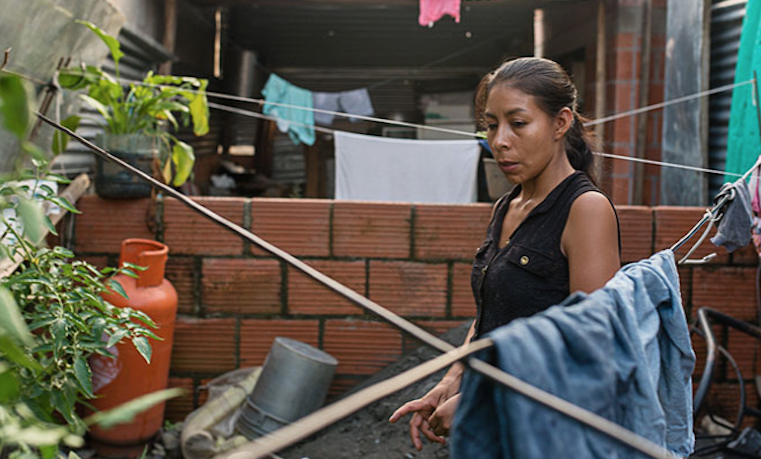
(590, 242)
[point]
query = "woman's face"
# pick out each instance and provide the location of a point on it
(522, 137)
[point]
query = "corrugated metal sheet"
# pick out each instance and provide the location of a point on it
(726, 27)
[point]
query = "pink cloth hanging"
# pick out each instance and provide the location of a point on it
(433, 10)
(755, 193)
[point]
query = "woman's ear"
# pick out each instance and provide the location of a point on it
(563, 122)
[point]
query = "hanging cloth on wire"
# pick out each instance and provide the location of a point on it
(735, 226)
(372, 168)
(744, 141)
(356, 102)
(622, 352)
(299, 124)
(433, 10)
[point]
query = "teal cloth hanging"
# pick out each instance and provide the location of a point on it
(744, 143)
(298, 123)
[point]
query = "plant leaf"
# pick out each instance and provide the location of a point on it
(183, 159)
(9, 387)
(143, 347)
(11, 320)
(117, 287)
(116, 337)
(126, 412)
(14, 105)
(63, 202)
(49, 225)
(32, 216)
(111, 42)
(84, 375)
(61, 139)
(16, 354)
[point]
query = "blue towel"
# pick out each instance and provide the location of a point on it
(622, 352)
(280, 91)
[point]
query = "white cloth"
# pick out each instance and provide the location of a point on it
(372, 168)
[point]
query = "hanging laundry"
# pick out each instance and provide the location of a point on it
(297, 122)
(755, 204)
(356, 102)
(372, 168)
(622, 352)
(743, 138)
(433, 10)
(735, 226)
(325, 101)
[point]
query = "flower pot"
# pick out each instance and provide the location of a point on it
(113, 181)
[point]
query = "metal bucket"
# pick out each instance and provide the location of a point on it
(294, 382)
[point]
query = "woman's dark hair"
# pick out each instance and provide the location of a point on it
(553, 90)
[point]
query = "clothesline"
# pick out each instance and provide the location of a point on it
(574, 412)
(434, 128)
(325, 130)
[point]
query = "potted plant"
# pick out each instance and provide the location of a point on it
(137, 123)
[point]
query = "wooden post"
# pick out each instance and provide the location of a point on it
(170, 33)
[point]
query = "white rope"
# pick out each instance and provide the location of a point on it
(434, 128)
(602, 154)
(659, 105)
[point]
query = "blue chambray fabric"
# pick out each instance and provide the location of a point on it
(622, 352)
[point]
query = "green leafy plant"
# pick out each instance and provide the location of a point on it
(52, 317)
(151, 107)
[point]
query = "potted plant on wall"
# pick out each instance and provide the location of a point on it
(138, 119)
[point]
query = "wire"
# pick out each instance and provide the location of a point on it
(253, 114)
(439, 129)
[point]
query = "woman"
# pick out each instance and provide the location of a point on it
(554, 234)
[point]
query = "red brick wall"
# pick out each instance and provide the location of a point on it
(413, 259)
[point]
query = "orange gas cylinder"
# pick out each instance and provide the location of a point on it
(116, 381)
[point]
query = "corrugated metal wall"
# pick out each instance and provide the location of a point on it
(726, 28)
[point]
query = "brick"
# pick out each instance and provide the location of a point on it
(342, 384)
(379, 230)
(685, 288)
(187, 232)
(463, 303)
(746, 351)
(746, 256)
(625, 100)
(306, 296)
(203, 345)
(671, 223)
(409, 288)
(180, 271)
(298, 226)
(434, 327)
(626, 40)
(257, 336)
(724, 401)
(179, 407)
(245, 286)
(449, 231)
(636, 232)
(105, 223)
(731, 290)
(620, 195)
(626, 66)
(361, 347)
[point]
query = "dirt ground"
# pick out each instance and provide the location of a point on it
(367, 434)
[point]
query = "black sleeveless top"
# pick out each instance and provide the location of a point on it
(530, 273)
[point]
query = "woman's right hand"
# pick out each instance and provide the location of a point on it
(423, 408)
